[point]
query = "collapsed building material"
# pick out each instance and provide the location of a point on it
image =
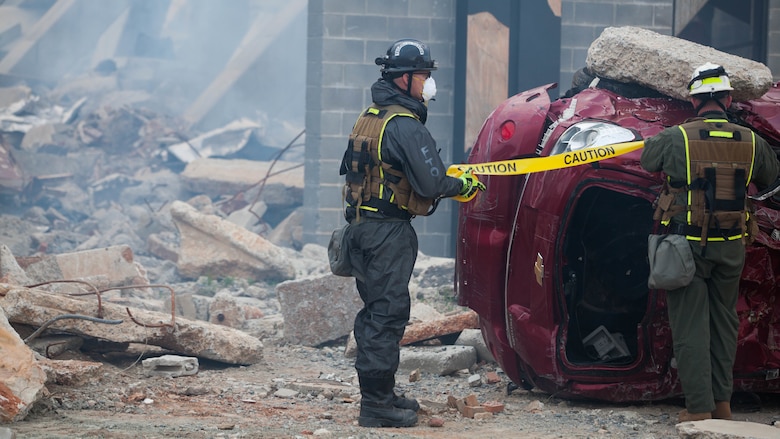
(439, 327)
(21, 378)
(221, 142)
(201, 339)
(664, 63)
(69, 372)
(219, 248)
(116, 264)
(318, 310)
(11, 178)
(217, 177)
(170, 366)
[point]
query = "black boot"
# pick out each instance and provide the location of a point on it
(405, 403)
(376, 406)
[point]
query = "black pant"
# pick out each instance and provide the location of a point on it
(383, 254)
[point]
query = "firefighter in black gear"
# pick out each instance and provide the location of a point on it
(708, 163)
(393, 172)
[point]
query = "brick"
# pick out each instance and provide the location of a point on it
(469, 411)
(493, 406)
(471, 400)
(492, 378)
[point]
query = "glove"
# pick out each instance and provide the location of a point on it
(471, 185)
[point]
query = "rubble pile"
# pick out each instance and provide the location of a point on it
(122, 228)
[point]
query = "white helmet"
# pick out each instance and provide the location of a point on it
(709, 78)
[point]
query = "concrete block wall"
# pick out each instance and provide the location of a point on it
(582, 21)
(344, 38)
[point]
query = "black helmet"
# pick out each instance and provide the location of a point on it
(406, 55)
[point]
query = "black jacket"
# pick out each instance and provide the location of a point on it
(407, 144)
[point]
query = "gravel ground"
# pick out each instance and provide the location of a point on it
(223, 401)
(242, 402)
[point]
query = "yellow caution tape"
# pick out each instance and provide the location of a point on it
(539, 164)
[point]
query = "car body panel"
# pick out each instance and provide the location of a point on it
(555, 262)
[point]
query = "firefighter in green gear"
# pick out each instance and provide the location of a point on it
(708, 163)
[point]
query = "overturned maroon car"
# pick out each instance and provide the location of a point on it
(555, 262)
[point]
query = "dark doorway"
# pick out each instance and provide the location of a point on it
(738, 28)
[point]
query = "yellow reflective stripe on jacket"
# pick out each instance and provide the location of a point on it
(375, 111)
(711, 239)
(688, 179)
(689, 176)
(373, 209)
(752, 162)
(722, 134)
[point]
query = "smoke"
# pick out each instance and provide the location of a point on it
(196, 59)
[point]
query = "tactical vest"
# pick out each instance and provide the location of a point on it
(371, 183)
(719, 159)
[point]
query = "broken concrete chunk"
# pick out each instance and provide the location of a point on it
(69, 372)
(286, 393)
(473, 337)
(721, 428)
(10, 271)
(114, 264)
(214, 342)
(21, 378)
(225, 310)
(318, 310)
(442, 360)
(217, 177)
(171, 366)
(218, 248)
(665, 63)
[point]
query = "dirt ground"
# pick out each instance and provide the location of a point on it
(242, 402)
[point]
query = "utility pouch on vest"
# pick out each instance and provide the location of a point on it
(671, 262)
(752, 230)
(663, 205)
(338, 253)
(419, 205)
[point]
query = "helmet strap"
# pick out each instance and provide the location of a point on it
(710, 97)
(409, 84)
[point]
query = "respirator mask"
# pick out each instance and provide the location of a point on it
(429, 90)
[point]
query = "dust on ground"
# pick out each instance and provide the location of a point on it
(223, 401)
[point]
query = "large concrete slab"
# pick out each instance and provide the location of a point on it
(665, 63)
(722, 429)
(212, 246)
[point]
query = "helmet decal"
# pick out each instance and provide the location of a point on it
(406, 55)
(416, 44)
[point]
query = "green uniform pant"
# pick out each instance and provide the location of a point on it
(704, 323)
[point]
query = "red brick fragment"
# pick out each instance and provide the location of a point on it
(493, 406)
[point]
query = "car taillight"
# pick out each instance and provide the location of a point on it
(507, 129)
